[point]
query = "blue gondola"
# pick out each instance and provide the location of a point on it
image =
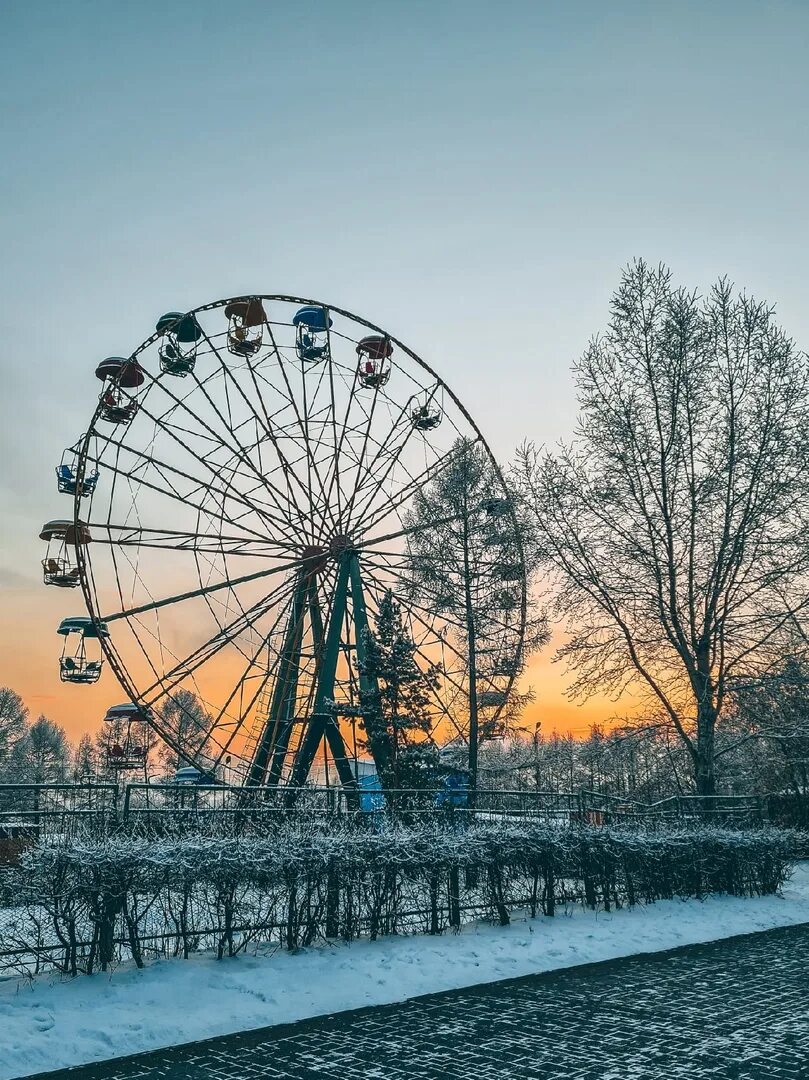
(67, 473)
(312, 333)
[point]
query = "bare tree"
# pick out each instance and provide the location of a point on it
(772, 719)
(676, 520)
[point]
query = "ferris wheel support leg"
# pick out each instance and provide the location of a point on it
(279, 718)
(281, 743)
(322, 722)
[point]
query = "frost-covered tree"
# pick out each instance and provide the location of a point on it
(676, 521)
(398, 716)
(185, 718)
(466, 561)
(772, 719)
(13, 727)
(45, 753)
(85, 760)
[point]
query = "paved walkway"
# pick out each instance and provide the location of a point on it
(733, 1010)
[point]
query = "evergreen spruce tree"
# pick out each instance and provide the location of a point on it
(85, 760)
(397, 715)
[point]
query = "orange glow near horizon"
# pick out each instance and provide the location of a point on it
(29, 665)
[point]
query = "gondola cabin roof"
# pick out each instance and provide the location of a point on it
(82, 624)
(185, 328)
(129, 711)
(250, 311)
(375, 347)
(168, 321)
(126, 373)
(316, 318)
(67, 531)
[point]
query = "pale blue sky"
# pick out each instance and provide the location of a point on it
(470, 175)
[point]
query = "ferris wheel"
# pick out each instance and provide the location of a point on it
(242, 507)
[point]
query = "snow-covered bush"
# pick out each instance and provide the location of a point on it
(305, 881)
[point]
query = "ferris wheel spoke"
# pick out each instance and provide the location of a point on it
(215, 437)
(137, 636)
(291, 507)
(414, 611)
(192, 594)
(334, 482)
(366, 432)
(304, 678)
(304, 433)
(310, 420)
(271, 672)
(185, 668)
(240, 452)
(429, 662)
(368, 472)
(399, 571)
(286, 467)
(163, 467)
(396, 454)
(185, 501)
(180, 540)
(369, 490)
(271, 668)
(398, 498)
(406, 531)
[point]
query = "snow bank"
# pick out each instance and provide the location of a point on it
(51, 1024)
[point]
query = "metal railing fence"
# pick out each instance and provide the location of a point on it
(32, 812)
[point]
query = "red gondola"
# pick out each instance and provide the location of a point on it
(129, 723)
(121, 378)
(373, 366)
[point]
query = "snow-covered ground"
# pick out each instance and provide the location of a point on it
(50, 1024)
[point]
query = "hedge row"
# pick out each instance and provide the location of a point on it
(89, 904)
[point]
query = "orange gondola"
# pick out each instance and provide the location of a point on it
(246, 319)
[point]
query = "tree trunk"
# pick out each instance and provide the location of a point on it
(704, 758)
(474, 734)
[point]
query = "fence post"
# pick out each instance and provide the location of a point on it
(332, 902)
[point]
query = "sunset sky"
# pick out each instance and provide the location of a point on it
(471, 176)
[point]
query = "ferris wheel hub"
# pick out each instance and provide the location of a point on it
(339, 544)
(314, 558)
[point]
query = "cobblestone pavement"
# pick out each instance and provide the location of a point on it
(736, 1009)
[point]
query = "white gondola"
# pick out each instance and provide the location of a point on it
(59, 567)
(78, 663)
